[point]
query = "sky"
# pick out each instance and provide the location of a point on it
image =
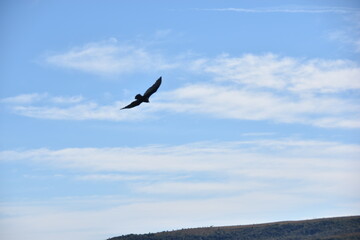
(257, 118)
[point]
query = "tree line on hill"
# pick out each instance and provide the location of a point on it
(340, 228)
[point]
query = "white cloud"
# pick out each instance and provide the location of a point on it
(255, 71)
(238, 103)
(150, 216)
(230, 101)
(110, 57)
(314, 10)
(67, 100)
(283, 73)
(290, 158)
(44, 106)
(199, 188)
(249, 87)
(257, 134)
(351, 122)
(83, 111)
(109, 177)
(258, 181)
(270, 87)
(348, 36)
(24, 98)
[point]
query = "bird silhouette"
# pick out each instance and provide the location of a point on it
(144, 98)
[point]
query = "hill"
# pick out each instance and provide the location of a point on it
(347, 228)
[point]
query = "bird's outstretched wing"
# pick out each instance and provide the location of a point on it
(133, 104)
(153, 88)
(140, 99)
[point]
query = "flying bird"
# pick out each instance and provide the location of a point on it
(144, 98)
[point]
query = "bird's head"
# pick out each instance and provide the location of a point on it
(138, 97)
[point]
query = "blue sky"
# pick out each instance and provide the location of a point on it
(257, 118)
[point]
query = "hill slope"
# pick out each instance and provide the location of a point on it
(325, 228)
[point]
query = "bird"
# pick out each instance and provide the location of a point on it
(145, 98)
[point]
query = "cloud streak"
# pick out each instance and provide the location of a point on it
(230, 102)
(226, 157)
(24, 98)
(349, 35)
(152, 216)
(110, 57)
(45, 106)
(310, 169)
(248, 87)
(233, 103)
(270, 87)
(335, 10)
(197, 184)
(283, 73)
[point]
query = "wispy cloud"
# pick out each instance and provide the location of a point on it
(257, 134)
(348, 36)
(236, 103)
(83, 111)
(270, 87)
(45, 106)
(256, 180)
(110, 57)
(267, 70)
(283, 73)
(202, 157)
(312, 169)
(57, 223)
(108, 177)
(313, 10)
(67, 100)
(24, 98)
(225, 102)
(249, 87)
(33, 98)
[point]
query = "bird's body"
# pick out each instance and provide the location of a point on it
(145, 98)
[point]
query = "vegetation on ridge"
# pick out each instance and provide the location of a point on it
(339, 228)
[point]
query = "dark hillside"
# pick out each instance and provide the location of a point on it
(327, 228)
